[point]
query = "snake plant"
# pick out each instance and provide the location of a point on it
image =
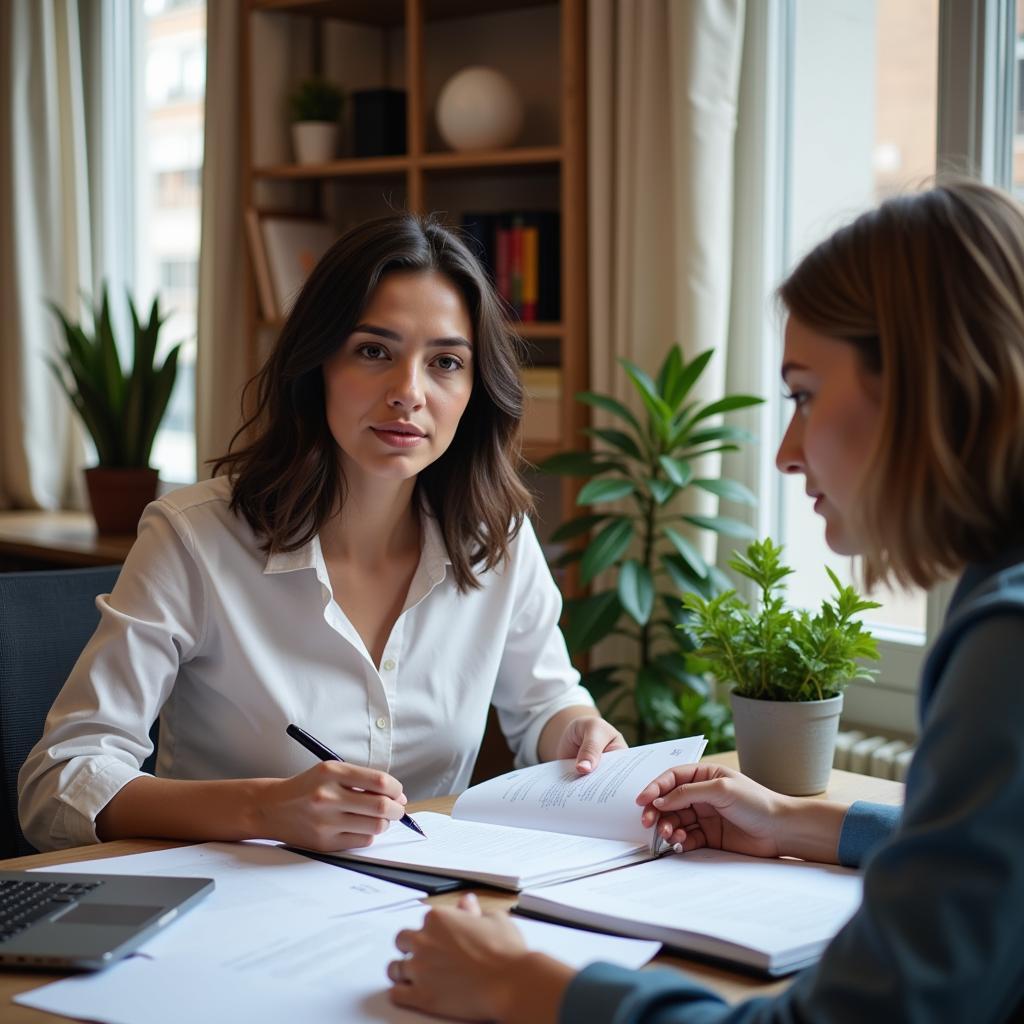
(121, 408)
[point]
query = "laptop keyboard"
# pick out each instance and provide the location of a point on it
(23, 902)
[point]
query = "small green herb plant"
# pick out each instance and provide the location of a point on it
(647, 462)
(121, 409)
(779, 653)
(316, 99)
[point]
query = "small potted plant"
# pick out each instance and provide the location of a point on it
(788, 669)
(316, 107)
(121, 409)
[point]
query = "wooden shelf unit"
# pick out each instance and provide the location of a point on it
(546, 171)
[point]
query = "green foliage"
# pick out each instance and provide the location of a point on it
(121, 410)
(647, 462)
(316, 99)
(780, 653)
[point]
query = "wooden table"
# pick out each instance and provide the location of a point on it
(50, 540)
(844, 786)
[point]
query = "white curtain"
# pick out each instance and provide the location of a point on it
(663, 82)
(45, 243)
(222, 368)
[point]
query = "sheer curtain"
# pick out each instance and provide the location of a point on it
(45, 239)
(221, 368)
(663, 89)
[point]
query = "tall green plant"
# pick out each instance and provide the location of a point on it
(646, 465)
(120, 408)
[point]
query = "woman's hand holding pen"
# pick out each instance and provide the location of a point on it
(698, 805)
(332, 806)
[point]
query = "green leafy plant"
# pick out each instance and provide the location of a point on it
(316, 99)
(646, 465)
(775, 652)
(120, 409)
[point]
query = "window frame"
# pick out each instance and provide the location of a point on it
(975, 132)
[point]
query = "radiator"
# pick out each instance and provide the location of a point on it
(881, 756)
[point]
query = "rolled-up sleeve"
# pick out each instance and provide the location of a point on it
(96, 735)
(535, 679)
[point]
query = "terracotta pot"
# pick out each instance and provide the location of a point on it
(787, 745)
(118, 496)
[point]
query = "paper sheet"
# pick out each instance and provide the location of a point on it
(339, 975)
(474, 849)
(261, 890)
(556, 798)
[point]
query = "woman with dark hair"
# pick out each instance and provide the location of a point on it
(904, 358)
(363, 566)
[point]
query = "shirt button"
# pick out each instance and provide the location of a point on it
(382, 723)
(388, 665)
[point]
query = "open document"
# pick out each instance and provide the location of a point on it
(332, 975)
(772, 915)
(541, 824)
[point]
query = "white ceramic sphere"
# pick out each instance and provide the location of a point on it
(479, 108)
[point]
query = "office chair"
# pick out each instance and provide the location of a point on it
(45, 620)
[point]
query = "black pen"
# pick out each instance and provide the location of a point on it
(314, 746)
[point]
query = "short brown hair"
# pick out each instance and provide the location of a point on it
(287, 480)
(930, 289)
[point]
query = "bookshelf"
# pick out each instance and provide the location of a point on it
(416, 45)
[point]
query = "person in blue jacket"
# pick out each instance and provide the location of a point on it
(904, 359)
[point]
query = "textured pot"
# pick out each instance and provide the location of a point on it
(118, 496)
(787, 745)
(315, 142)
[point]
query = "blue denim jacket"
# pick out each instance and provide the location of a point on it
(940, 934)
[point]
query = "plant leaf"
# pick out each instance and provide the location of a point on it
(661, 490)
(583, 463)
(729, 490)
(605, 549)
(728, 404)
(687, 551)
(595, 492)
(611, 405)
(636, 590)
(590, 619)
(601, 681)
(617, 439)
(576, 526)
(722, 524)
(692, 373)
(678, 471)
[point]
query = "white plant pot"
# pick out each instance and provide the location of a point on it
(315, 142)
(787, 745)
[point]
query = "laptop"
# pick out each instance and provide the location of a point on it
(86, 921)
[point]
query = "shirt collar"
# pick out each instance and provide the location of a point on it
(433, 557)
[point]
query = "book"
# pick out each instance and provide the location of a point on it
(538, 825)
(260, 266)
(774, 916)
(294, 245)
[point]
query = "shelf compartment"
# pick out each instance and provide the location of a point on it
(537, 328)
(499, 159)
(355, 167)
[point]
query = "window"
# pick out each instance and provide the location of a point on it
(170, 45)
(871, 101)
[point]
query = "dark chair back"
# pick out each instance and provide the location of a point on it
(45, 620)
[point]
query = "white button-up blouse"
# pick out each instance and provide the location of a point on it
(228, 645)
